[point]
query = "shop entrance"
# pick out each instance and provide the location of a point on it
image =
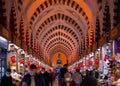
(2, 62)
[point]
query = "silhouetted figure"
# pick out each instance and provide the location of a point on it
(62, 73)
(96, 74)
(90, 80)
(7, 79)
(77, 77)
(46, 76)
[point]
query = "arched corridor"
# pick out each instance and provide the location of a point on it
(84, 34)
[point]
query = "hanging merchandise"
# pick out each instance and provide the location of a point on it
(40, 67)
(79, 65)
(97, 61)
(13, 59)
(28, 63)
(27, 60)
(114, 58)
(21, 58)
(90, 62)
(106, 58)
(86, 62)
(21, 61)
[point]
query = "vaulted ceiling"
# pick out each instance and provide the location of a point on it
(59, 25)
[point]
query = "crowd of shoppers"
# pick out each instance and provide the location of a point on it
(45, 77)
(32, 78)
(77, 78)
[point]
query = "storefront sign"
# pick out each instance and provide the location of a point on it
(101, 42)
(4, 32)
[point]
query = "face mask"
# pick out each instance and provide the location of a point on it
(31, 73)
(42, 72)
(8, 75)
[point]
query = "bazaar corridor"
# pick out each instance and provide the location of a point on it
(73, 42)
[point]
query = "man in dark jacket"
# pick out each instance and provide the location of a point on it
(46, 76)
(62, 73)
(32, 78)
(7, 79)
(91, 80)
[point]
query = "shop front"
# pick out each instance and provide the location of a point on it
(116, 58)
(106, 58)
(3, 56)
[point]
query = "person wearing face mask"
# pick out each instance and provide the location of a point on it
(32, 78)
(7, 79)
(45, 76)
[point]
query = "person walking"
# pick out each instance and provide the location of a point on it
(7, 79)
(46, 76)
(77, 77)
(32, 78)
(62, 73)
(91, 80)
